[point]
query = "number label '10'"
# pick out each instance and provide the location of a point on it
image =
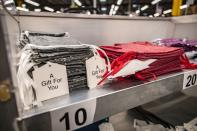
(191, 80)
(79, 119)
(73, 116)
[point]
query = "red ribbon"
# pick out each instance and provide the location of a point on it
(186, 63)
(118, 64)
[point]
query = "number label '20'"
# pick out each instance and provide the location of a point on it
(191, 80)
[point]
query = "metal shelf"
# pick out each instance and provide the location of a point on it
(85, 16)
(185, 19)
(110, 99)
(177, 20)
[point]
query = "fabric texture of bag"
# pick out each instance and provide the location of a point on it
(169, 59)
(40, 48)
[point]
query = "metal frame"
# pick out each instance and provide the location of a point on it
(111, 99)
(126, 94)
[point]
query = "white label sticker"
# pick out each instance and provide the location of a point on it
(50, 81)
(96, 68)
(190, 79)
(73, 117)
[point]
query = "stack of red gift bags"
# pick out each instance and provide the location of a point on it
(166, 59)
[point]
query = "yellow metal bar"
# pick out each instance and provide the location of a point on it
(179, 10)
(176, 11)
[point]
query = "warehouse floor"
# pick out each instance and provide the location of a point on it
(176, 109)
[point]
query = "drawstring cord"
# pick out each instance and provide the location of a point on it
(118, 64)
(186, 63)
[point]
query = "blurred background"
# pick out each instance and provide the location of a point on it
(146, 8)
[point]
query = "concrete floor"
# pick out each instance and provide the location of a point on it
(176, 109)
(122, 122)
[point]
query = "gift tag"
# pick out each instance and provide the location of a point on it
(95, 68)
(50, 81)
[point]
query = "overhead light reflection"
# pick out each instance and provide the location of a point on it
(130, 15)
(58, 12)
(144, 7)
(111, 10)
(88, 13)
(156, 14)
(24, 5)
(8, 2)
(137, 11)
(78, 2)
(114, 12)
(183, 7)
(167, 11)
(155, 2)
(103, 8)
(49, 9)
(119, 2)
(32, 3)
(116, 8)
(9, 8)
(22, 9)
(37, 10)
